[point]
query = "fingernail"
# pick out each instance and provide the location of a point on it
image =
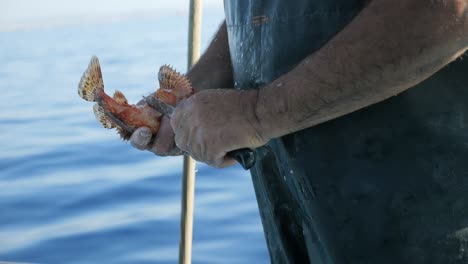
(144, 133)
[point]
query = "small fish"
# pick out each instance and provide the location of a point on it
(116, 112)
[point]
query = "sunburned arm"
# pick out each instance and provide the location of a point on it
(389, 47)
(214, 68)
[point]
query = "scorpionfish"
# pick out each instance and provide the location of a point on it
(116, 112)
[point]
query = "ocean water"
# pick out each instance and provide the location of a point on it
(73, 192)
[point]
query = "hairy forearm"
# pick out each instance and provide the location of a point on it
(214, 68)
(389, 47)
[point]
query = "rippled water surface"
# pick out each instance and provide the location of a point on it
(72, 192)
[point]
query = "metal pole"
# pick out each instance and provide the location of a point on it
(188, 181)
(194, 37)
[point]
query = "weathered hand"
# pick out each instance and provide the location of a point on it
(213, 122)
(163, 144)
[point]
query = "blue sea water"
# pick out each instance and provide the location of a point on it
(71, 191)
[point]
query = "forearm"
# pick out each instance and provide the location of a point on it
(389, 47)
(214, 68)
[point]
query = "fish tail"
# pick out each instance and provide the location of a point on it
(91, 83)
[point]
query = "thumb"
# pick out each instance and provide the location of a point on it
(141, 138)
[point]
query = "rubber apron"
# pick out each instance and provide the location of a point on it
(385, 184)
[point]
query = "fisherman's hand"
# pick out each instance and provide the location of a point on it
(213, 122)
(163, 144)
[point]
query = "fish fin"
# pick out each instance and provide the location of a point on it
(101, 116)
(166, 97)
(174, 82)
(124, 134)
(120, 98)
(91, 83)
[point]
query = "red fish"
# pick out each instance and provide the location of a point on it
(116, 112)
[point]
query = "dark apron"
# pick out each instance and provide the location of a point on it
(386, 184)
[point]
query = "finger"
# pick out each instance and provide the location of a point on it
(164, 144)
(180, 113)
(181, 141)
(196, 151)
(141, 138)
(180, 131)
(227, 162)
(221, 163)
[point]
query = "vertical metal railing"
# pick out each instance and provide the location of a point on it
(188, 181)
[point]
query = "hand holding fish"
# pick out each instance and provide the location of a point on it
(213, 122)
(163, 143)
(230, 118)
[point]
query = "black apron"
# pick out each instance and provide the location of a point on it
(386, 184)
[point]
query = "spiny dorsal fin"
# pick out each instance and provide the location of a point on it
(91, 83)
(174, 82)
(125, 135)
(101, 116)
(120, 98)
